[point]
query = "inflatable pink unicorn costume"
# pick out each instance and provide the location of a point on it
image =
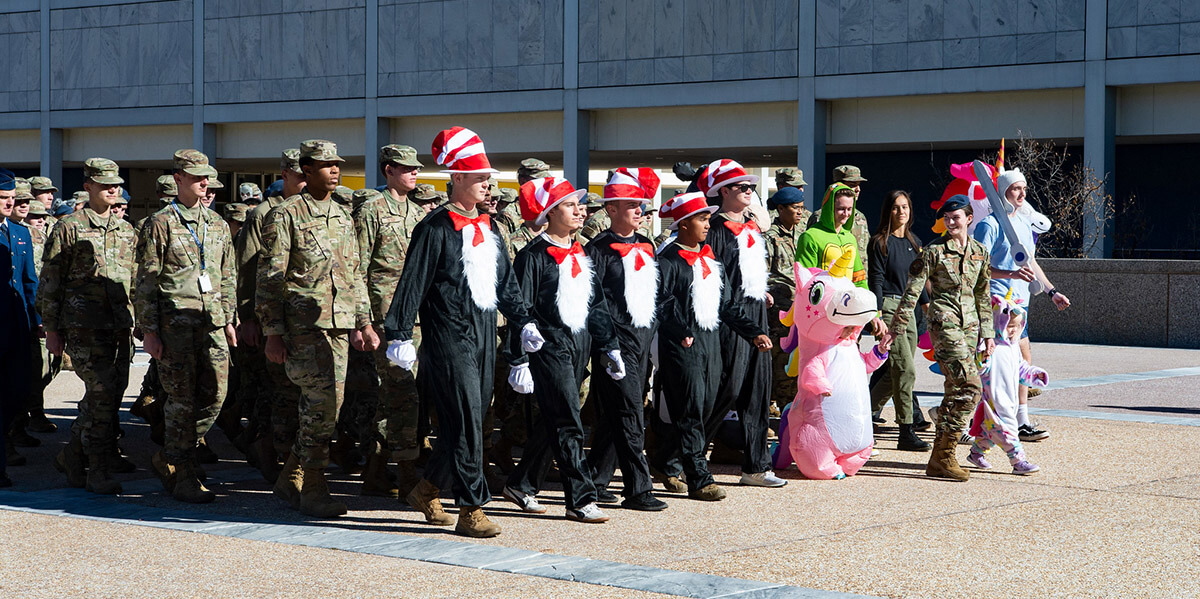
(827, 429)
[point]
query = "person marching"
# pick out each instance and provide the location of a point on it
(628, 278)
(693, 300)
(558, 283)
(456, 277)
(745, 385)
(185, 300)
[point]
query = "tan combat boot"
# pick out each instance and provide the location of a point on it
(473, 523)
(943, 462)
(290, 482)
(315, 500)
(264, 453)
(71, 462)
(165, 471)
(424, 499)
(98, 479)
(188, 487)
(406, 476)
(375, 476)
(710, 492)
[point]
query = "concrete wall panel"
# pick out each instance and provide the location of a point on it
(528, 132)
(19, 146)
(1158, 110)
(258, 140)
(126, 144)
(766, 125)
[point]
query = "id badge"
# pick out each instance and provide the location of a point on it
(205, 283)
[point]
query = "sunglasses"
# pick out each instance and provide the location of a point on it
(742, 187)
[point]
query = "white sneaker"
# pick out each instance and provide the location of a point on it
(874, 452)
(589, 513)
(965, 439)
(528, 503)
(762, 479)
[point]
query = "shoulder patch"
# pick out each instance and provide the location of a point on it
(916, 268)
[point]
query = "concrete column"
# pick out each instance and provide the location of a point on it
(1099, 154)
(52, 155)
(577, 139)
(810, 151)
(204, 137)
(51, 151)
(371, 121)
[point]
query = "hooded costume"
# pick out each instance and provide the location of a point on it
(829, 248)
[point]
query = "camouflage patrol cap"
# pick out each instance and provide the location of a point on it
(42, 184)
(121, 199)
(533, 168)
(508, 196)
(405, 155)
(848, 174)
(37, 209)
(214, 182)
(79, 197)
(24, 195)
(21, 184)
(789, 177)
(236, 212)
(248, 191)
(102, 171)
(290, 160)
(320, 150)
(424, 193)
(362, 196)
(343, 195)
(591, 199)
(493, 187)
(166, 186)
(195, 163)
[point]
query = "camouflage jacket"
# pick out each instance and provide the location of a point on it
(860, 230)
(519, 239)
(595, 224)
(87, 273)
(169, 269)
(38, 237)
(309, 275)
(384, 228)
(781, 258)
(960, 303)
(249, 248)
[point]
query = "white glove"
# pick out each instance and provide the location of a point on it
(402, 353)
(617, 371)
(531, 338)
(520, 379)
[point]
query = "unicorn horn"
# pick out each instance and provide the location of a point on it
(1008, 296)
(844, 266)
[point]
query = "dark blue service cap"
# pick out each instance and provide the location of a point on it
(785, 196)
(274, 189)
(957, 202)
(8, 180)
(62, 207)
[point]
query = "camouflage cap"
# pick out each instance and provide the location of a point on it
(79, 197)
(166, 186)
(42, 184)
(320, 150)
(23, 195)
(363, 196)
(533, 168)
(37, 209)
(236, 212)
(591, 199)
(248, 191)
(508, 196)
(102, 171)
(195, 163)
(21, 184)
(789, 177)
(214, 182)
(121, 199)
(343, 195)
(493, 187)
(405, 155)
(423, 193)
(290, 160)
(848, 174)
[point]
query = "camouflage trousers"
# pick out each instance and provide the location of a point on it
(194, 370)
(783, 387)
(45, 368)
(398, 415)
(963, 387)
(283, 400)
(316, 363)
(101, 359)
(357, 416)
(253, 388)
(900, 370)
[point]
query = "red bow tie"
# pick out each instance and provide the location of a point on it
(461, 221)
(638, 260)
(560, 254)
(691, 258)
(737, 228)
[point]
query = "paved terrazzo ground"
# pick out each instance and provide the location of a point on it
(1113, 514)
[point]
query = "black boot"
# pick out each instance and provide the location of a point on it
(918, 420)
(909, 441)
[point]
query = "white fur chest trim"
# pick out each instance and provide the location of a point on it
(479, 265)
(706, 293)
(574, 292)
(641, 287)
(752, 262)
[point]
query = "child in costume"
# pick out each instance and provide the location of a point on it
(995, 420)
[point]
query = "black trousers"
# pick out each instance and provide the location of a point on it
(687, 385)
(16, 363)
(558, 434)
(619, 434)
(745, 387)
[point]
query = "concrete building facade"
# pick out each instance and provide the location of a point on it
(593, 84)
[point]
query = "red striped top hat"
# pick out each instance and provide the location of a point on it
(720, 173)
(684, 205)
(461, 151)
(539, 196)
(638, 184)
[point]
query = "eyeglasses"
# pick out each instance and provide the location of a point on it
(742, 187)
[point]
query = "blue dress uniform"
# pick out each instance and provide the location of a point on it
(20, 320)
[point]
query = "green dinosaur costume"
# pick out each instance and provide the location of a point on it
(826, 247)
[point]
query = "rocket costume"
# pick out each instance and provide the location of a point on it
(693, 301)
(559, 286)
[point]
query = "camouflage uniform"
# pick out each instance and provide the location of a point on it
(179, 248)
(84, 294)
(384, 228)
(38, 185)
(277, 398)
(596, 223)
(781, 284)
(310, 292)
(960, 314)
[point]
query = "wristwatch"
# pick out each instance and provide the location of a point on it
(1051, 293)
